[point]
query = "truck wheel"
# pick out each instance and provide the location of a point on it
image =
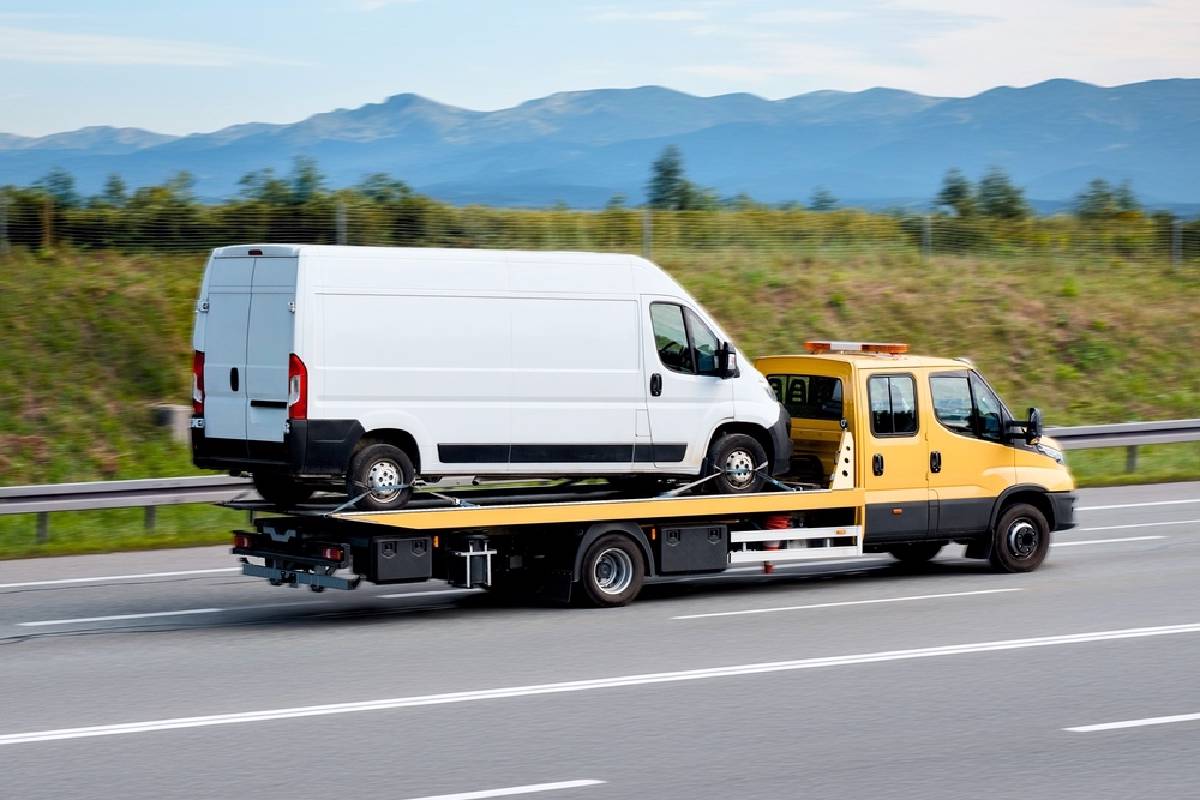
(612, 571)
(1020, 539)
(737, 456)
(916, 552)
(280, 490)
(386, 471)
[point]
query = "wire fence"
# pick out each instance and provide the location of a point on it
(29, 222)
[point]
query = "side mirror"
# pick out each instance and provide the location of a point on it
(1033, 426)
(727, 363)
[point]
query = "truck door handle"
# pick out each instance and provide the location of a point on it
(877, 464)
(935, 461)
(655, 385)
(233, 379)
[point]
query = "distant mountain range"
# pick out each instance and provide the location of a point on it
(877, 147)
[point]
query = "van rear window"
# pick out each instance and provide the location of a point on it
(809, 396)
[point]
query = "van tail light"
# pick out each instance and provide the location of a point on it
(197, 383)
(297, 388)
(243, 541)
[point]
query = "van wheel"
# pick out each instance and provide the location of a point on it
(1020, 539)
(280, 490)
(612, 571)
(385, 473)
(737, 456)
(916, 552)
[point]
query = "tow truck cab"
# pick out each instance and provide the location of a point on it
(940, 456)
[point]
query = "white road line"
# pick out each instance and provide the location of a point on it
(1140, 525)
(428, 593)
(1140, 505)
(590, 685)
(1106, 541)
(1134, 723)
(112, 617)
(838, 604)
(513, 790)
(107, 578)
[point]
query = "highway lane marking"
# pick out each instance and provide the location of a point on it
(1134, 723)
(1139, 525)
(838, 604)
(532, 788)
(107, 578)
(1140, 505)
(564, 687)
(1079, 542)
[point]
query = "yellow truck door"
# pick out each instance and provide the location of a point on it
(894, 456)
(971, 460)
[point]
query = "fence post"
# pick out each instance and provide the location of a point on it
(340, 223)
(647, 233)
(1131, 458)
(927, 237)
(1176, 242)
(149, 518)
(43, 527)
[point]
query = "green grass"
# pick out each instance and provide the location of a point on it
(89, 340)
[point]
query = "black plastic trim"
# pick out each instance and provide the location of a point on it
(911, 524)
(268, 404)
(311, 447)
(560, 453)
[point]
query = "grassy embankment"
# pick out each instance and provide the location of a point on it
(88, 340)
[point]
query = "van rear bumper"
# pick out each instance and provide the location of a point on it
(317, 447)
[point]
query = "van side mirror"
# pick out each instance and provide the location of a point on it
(1033, 426)
(727, 362)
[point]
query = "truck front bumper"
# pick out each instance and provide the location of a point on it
(1063, 504)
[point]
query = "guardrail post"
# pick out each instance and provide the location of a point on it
(43, 527)
(1131, 458)
(149, 518)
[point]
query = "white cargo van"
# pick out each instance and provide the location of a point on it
(374, 366)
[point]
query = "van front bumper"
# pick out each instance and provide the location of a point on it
(309, 448)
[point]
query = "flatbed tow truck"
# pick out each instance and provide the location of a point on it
(893, 453)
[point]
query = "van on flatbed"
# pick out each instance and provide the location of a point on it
(891, 453)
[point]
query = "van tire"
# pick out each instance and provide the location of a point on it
(1020, 539)
(736, 451)
(380, 464)
(281, 491)
(612, 571)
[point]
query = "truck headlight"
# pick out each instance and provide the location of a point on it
(1052, 452)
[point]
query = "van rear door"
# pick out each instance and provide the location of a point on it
(268, 345)
(228, 299)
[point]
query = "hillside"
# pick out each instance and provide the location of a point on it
(91, 339)
(875, 147)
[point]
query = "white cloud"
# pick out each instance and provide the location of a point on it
(55, 47)
(675, 15)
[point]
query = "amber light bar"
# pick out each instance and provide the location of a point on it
(890, 348)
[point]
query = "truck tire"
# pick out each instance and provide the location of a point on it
(281, 491)
(612, 571)
(1020, 539)
(916, 552)
(737, 456)
(386, 471)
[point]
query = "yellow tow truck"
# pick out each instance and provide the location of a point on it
(891, 453)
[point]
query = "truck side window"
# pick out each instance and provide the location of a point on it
(989, 411)
(670, 337)
(893, 400)
(704, 344)
(964, 404)
(809, 396)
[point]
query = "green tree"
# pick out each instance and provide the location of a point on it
(115, 193)
(822, 200)
(1096, 201)
(615, 203)
(306, 180)
(379, 187)
(1125, 199)
(998, 197)
(957, 193)
(265, 186)
(60, 185)
(668, 186)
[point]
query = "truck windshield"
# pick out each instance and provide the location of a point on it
(809, 396)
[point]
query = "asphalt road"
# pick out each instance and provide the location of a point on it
(167, 675)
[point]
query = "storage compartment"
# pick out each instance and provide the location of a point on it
(394, 560)
(699, 549)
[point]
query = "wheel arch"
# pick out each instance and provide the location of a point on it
(1034, 495)
(598, 529)
(393, 436)
(758, 432)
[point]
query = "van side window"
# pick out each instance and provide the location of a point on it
(893, 400)
(809, 396)
(964, 404)
(704, 344)
(670, 337)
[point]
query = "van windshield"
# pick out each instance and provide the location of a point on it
(809, 396)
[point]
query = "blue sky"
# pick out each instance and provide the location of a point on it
(180, 67)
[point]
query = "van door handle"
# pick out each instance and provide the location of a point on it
(655, 385)
(935, 461)
(877, 464)
(233, 379)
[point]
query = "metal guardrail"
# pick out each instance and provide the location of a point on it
(151, 493)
